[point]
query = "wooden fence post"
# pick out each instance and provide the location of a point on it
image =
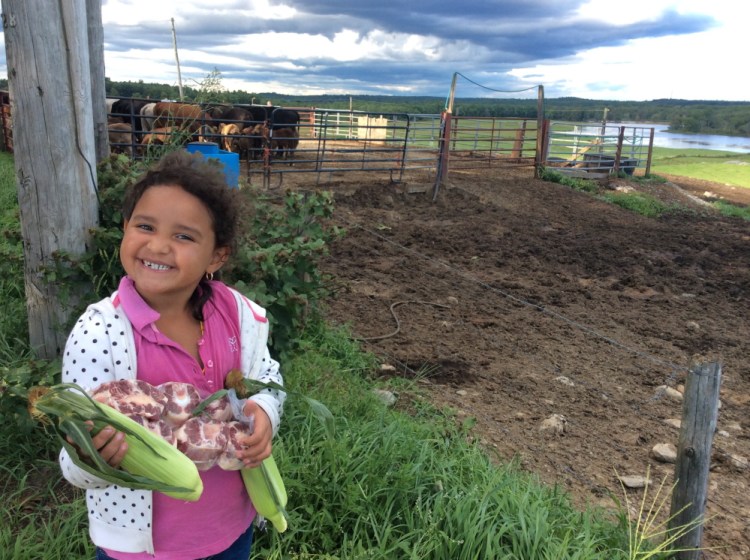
(699, 416)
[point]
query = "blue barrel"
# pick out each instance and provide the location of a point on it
(229, 161)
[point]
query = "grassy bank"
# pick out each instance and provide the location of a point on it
(729, 168)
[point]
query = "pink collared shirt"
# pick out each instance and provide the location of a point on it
(188, 530)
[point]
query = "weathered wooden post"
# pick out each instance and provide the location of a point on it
(699, 416)
(53, 134)
(98, 87)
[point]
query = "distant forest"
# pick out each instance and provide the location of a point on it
(731, 118)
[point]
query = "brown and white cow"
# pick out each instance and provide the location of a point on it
(185, 116)
(229, 136)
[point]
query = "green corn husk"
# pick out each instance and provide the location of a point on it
(266, 489)
(151, 462)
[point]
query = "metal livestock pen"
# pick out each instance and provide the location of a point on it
(331, 143)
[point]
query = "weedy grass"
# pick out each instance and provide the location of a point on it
(638, 203)
(729, 209)
(651, 533)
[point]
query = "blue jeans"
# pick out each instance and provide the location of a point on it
(239, 549)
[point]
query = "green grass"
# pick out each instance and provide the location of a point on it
(638, 203)
(729, 209)
(729, 168)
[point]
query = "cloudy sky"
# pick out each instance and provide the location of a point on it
(596, 49)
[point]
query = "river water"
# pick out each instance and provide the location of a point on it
(681, 140)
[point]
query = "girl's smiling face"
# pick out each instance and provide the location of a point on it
(169, 245)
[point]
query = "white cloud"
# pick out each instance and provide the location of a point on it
(604, 49)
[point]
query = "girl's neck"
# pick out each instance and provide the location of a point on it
(174, 307)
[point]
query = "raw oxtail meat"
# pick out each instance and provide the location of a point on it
(202, 441)
(212, 438)
(234, 432)
(182, 398)
(219, 410)
(132, 397)
(159, 427)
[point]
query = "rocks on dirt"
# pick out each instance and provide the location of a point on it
(634, 481)
(670, 392)
(664, 452)
(555, 424)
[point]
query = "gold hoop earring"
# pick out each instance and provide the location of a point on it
(209, 276)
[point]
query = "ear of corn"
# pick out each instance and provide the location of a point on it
(151, 462)
(267, 491)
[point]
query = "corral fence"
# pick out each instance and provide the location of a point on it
(330, 143)
(597, 150)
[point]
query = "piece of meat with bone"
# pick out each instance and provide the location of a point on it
(132, 397)
(182, 398)
(219, 410)
(202, 441)
(159, 427)
(235, 433)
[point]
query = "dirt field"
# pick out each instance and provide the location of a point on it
(518, 299)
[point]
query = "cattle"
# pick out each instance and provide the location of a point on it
(129, 111)
(256, 139)
(250, 115)
(166, 135)
(206, 133)
(215, 112)
(120, 138)
(240, 116)
(186, 116)
(147, 116)
(284, 142)
(228, 135)
(283, 118)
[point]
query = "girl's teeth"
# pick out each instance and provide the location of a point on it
(155, 266)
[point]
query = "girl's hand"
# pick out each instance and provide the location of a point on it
(110, 443)
(258, 445)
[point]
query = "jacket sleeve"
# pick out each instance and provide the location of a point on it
(87, 361)
(270, 400)
(256, 360)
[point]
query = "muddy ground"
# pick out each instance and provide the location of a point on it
(513, 300)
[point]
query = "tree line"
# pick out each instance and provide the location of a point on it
(731, 118)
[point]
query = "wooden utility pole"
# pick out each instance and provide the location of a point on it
(177, 60)
(98, 85)
(47, 56)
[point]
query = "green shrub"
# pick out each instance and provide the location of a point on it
(277, 262)
(639, 203)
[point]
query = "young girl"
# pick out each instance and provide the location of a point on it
(170, 320)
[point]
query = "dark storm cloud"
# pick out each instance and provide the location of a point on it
(483, 39)
(489, 38)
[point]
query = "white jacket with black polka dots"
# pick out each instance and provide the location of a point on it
(120, 518)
